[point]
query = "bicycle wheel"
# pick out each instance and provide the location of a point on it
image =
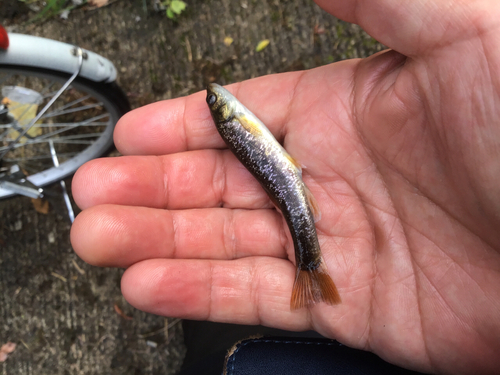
(79, 124)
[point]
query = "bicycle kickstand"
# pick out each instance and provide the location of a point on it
(15, 180)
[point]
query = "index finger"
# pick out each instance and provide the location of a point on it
(185, 123)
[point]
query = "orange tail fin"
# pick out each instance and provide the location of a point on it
(313, 286)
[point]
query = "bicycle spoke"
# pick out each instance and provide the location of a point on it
(50, 134)
(70, 104)
(47, 135)
(58, 125)
(64, 139)
(40, 157)
(67, 139)
(71, 110)
(87, 140)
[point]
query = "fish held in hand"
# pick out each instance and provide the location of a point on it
(281, 177)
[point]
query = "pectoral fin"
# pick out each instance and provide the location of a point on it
(248, 124)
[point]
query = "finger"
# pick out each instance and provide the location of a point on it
(108, 235)
(186, 124)
(417, 27)
(253, 290)
(205, 178)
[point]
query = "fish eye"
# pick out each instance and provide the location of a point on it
(211, 99)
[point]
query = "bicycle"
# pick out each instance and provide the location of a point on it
(59, 105)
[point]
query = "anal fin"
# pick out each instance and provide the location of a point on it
(313, 204)
(294, 162)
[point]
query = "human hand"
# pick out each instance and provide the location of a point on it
(402, 155)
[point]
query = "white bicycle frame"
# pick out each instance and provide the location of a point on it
(50, 54)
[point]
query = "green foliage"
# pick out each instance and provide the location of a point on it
(174, 8)
(50, 8)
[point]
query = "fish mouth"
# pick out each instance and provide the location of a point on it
(213, 88)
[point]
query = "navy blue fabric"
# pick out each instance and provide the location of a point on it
(207, 343)
(275, 352)
(293, 356)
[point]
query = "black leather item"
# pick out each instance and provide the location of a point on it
(293, 356)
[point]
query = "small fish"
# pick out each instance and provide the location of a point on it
(281, 177)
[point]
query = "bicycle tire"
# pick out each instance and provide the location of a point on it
(103, 97)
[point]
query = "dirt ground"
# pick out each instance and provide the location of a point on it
(61, 312)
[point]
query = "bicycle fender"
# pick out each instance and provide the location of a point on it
(36, 52)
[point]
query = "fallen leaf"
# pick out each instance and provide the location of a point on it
(5, 350)
(262, 44)
(8, 348)
(78, 268)
(318, 29)
(121, 313)
(60, 277)
(228, 40)
(177, 6)
(41, 205)
(98, 3)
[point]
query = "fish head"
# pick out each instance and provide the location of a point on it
(221, 103)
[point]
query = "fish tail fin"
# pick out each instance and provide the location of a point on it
(313, 286)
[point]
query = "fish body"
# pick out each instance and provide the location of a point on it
(281, 177)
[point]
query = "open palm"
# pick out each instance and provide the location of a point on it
(402, 152)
